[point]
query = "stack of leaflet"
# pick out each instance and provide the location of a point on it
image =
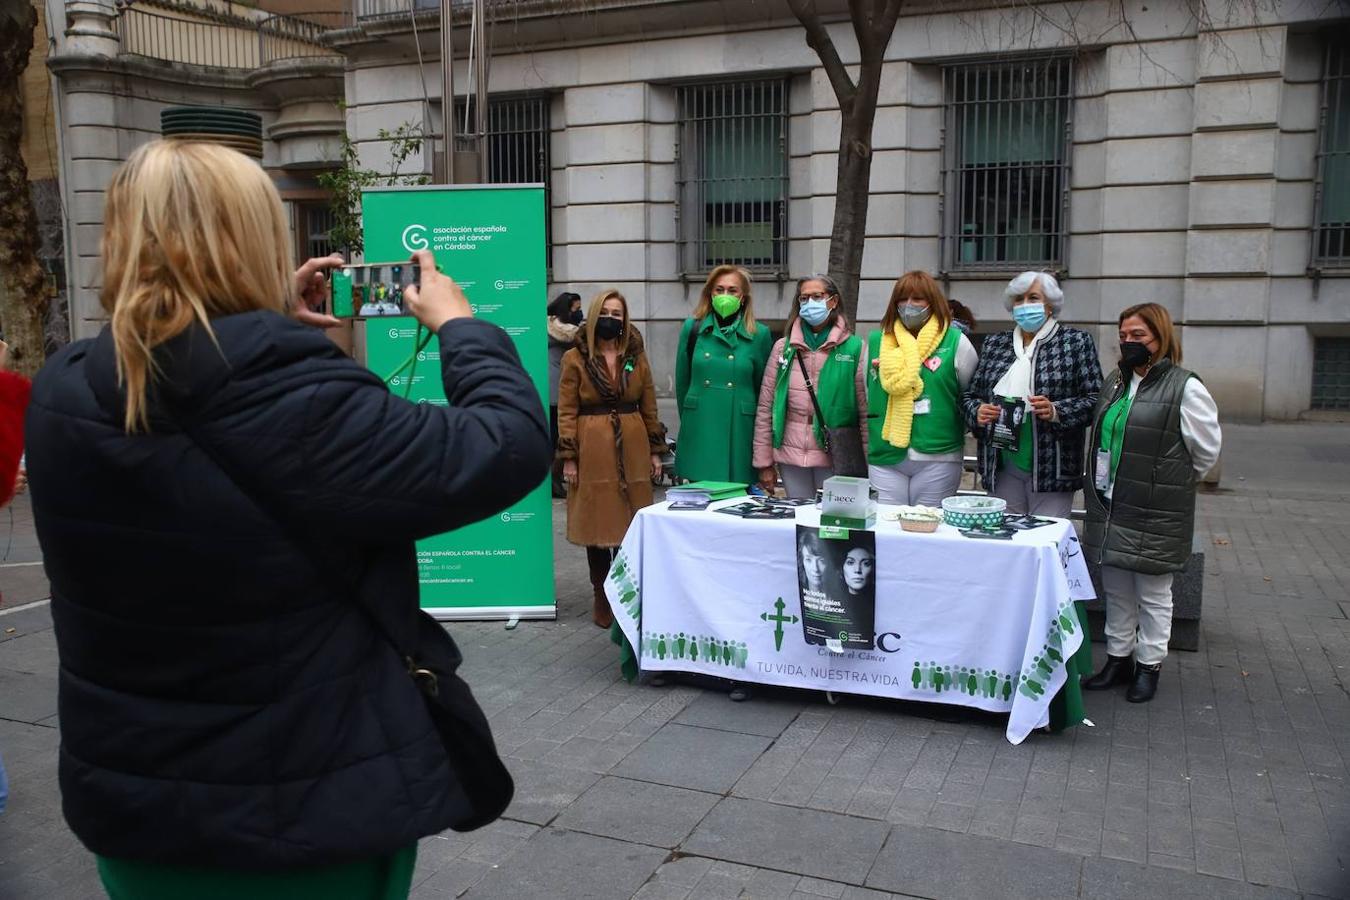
(698, 494)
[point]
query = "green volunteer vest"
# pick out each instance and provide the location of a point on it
(943, 428)
(834, 389)
(879, 452)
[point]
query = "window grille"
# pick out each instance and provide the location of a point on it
(319, 221)
(517, 145)
(1331, 240)
(1331, 373)
(732, 175)
(1005, 181)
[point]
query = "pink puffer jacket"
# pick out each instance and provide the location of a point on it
(799, 439)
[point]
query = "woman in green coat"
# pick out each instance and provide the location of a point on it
(719, 363)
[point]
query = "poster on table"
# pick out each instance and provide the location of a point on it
(837, 587)
(490, 239)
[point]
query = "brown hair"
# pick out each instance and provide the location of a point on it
(191, 231)
(916, 284)
(593, 316)
(794, 313)
(704, 307)
(1159, 321)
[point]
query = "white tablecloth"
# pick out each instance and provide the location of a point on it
(981, 623)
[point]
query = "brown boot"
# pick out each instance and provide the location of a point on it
(600, 611)
(598, 561)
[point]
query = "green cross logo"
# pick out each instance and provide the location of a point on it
(778, 619)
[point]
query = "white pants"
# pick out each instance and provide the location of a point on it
(1142, 603)
(802, 482)
(915, 483)
(1014, 486)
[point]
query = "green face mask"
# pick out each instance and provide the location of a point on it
(726, 305)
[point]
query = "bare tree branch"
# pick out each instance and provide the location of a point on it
(818, 39)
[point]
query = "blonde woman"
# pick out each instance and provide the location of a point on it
(234, 724)
(610, 440)
(719, 364)
(919, 367)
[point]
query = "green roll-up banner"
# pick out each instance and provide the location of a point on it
(490, 239)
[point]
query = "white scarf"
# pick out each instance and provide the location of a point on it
(1017, 381)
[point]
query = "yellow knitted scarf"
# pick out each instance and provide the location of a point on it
(901, 356)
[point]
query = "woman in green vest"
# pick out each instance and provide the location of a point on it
(917, 368)
(788, 433)
(1155, 433)
(719, 363)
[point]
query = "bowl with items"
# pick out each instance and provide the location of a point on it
(919, 519)
(985, 513)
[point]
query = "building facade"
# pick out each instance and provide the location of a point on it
(1197, 155)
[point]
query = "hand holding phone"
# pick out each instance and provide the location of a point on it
(437, 299)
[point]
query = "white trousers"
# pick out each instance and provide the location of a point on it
(801, 482)
(1014, 486)
(916, 483)
(1138, 614)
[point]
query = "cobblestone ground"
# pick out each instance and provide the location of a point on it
(1232, 783)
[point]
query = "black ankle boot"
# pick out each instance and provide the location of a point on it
(1118, 670)
(1145, 683)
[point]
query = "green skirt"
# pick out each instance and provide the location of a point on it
(385, 878)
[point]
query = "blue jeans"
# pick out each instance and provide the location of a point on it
(4, 785)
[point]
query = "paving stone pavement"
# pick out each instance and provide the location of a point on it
(1231, 783)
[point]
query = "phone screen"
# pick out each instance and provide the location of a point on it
(371, 290)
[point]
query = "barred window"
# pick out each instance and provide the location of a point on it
(319, 221)
(1005, 164)
(731, 201)
(517, 144)
(1331, 241)
(1331, 373)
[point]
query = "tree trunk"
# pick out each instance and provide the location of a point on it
(852, 192)
(24, 289)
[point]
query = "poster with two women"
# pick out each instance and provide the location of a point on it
(836, 580)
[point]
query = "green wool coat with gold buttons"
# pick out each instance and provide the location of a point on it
(717, 389)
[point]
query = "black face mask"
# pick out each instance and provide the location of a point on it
(576, 317)
(607, 328)
(1134, 355)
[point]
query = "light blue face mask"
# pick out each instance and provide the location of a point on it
(1030, 316)
(815, 312)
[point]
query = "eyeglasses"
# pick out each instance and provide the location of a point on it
(806, 297)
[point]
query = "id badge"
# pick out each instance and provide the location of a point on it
(923, 406)
(1103, 478)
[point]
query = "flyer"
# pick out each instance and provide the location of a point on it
(838, 587)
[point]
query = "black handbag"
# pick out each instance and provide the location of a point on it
(844, 445)
(432, 658)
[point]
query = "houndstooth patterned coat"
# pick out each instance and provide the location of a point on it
(1068, 372)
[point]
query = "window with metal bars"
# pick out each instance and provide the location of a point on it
(319, 220)
(732, 191)
(517, 145)
(1331, 239)
(1005, 157)
(1331, 373)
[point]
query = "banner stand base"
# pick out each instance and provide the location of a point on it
(490, 613)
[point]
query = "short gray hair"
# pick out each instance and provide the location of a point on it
(826, 280)
(1018, 287)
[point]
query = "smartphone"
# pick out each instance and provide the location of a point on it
(371, 290)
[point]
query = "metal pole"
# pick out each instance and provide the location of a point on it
(480, 76)
(447, 96)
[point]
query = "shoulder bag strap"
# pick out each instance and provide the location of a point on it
(811, 391)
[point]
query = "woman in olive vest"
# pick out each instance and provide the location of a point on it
(1050, 375)
(788, 433)
(1155, 433)
(719, 362)
(918, 367)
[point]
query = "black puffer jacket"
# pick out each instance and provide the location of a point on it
(223, 702)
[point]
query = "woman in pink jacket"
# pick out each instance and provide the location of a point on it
(788, 433)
